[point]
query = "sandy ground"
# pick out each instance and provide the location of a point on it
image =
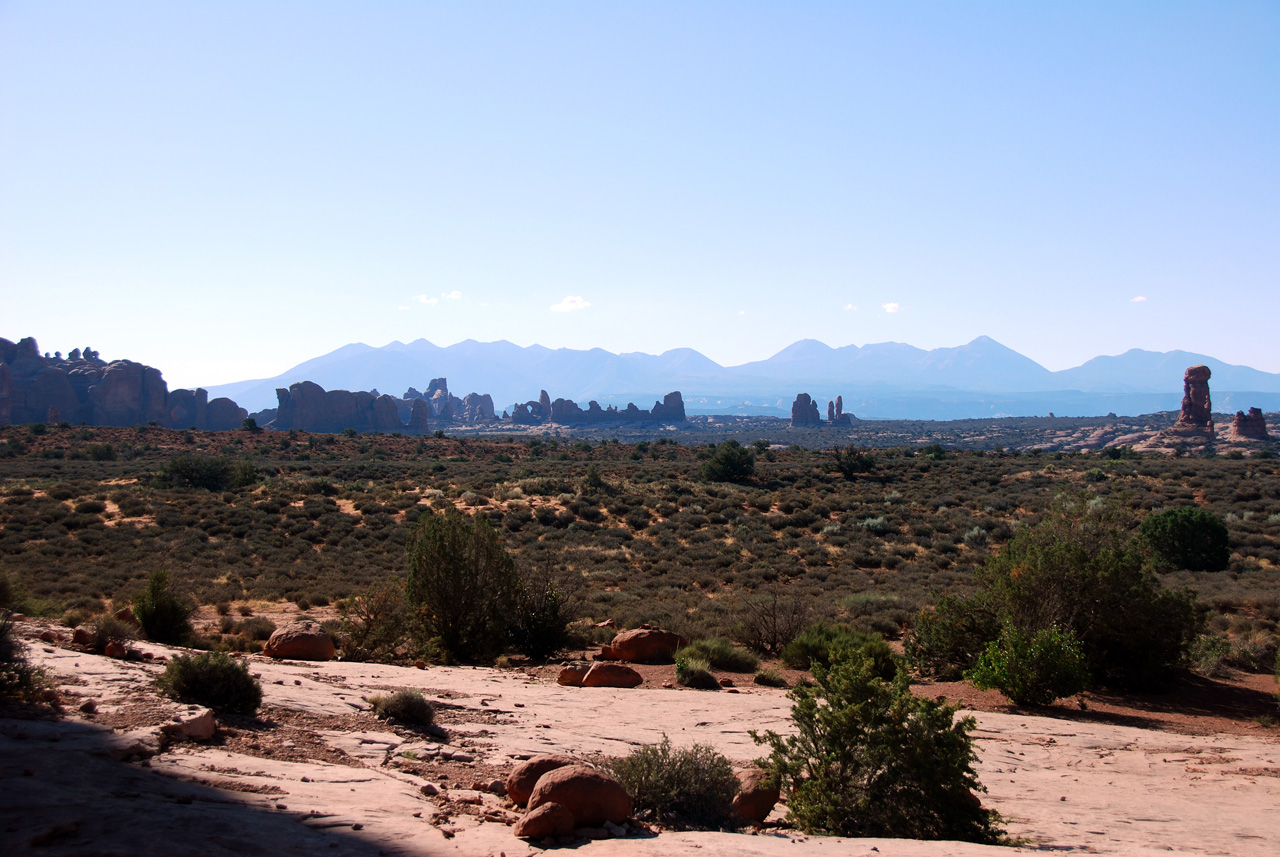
(316, 773)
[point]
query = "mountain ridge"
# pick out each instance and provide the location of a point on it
(873, 372)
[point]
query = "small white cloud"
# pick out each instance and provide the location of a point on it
(402, 307)
(423, 299)
(890, 307)
(1138, 300)
(850, 307)
(571, 303)
(452, 296)
(742, 312)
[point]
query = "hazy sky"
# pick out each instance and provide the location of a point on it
(225, 189)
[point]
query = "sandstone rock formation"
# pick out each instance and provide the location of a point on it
(549, 819)
(83, 388)
(804, 412)
(757, 796)
(591, 795)
(611, 675)
(573, 674)
(1250, 426)
(644, 645)
(446, 407)
(306, 406)
(522, 780)
(1197, 410)
(567, 412)
(300, 641)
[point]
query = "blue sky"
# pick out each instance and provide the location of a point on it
(226, 189)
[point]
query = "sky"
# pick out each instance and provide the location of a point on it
(223, 190)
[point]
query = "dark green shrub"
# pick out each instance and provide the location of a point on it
(1188, 538)
(721, 655)
(822, 642)
(852, 461)
(18, 679)
(193, 470)
(164, 615)
(462, 584)
(374, 623)
(1082, 570)
(543, 615)
(211, 679)
(731, 462)
(100, 452)
(691, 788)
(695, 673)
(1032, 669)
(409, 707)
(948, 637)
(871, 759)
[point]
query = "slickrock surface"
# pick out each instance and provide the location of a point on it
(315, 773)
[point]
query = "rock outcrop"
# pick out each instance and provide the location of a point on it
(306, 406)
(1250, 426)
(804, 412)
(567, 412)
(83, 388)
(446, 407)
(522, 780)
(1197, 410)
(757, 796)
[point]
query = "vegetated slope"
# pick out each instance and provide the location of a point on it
(639, 534)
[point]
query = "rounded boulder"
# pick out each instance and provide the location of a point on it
(611, 675)
(521, 781)
(646, 646)
(591, 795)
(757, 796)
(550, 819)
(300, 641)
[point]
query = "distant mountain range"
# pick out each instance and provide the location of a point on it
(887, 380)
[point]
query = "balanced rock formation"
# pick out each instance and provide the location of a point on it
(300, 641)
(804, 412)
(644, 646)
(1197, 410)
(1250, 426)
(591, 795)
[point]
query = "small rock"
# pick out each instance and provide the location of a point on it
(115, 649)
(197, 725)
(48, 636)
(422, 665)
(430, 789)
(463, 757)
(89, 706)
(81, 637)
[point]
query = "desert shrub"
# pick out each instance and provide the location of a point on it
(871, 759)
(691, 788)
(947, 637)
(462, 584)
(695, 673)
(852, 461)
(731, 462)
(106, 628)
(1209, 654)
(409, 707)
(193, 470)
(8, 597)
(770, 678)
(255, 628)
(1081, 569)
(164, 615)
(721, 655)
(821, 642)
(374, 623)
(18, 679)
(768, 621)
(1188, 538)
(544, 611)
(211, 679)
(90, 507)
(1032, 669)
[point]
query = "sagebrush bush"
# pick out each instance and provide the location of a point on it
(406, 706)
(721, 655)
(165, 616)
(871, 759)
(948, 636)
(211, 679)
(1032, 669)
(691, 788)
(695, 673)
(1188, 538)
(821, 642)
(105, 628)
(770, 678)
